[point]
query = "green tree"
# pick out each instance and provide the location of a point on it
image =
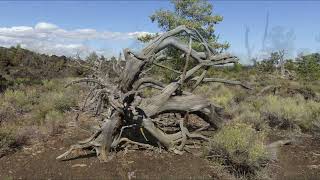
(4, 60)
(309, 66)
(102, 58)
(113, 58)
(237, 67)
(197, 14)
(290, 65)
(92, 57)
(269, 64)
(18, 56)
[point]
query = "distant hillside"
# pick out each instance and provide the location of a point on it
(18, 64)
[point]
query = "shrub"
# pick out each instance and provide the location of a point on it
(205, 90)
(239, 146)
(246, 112)
(316, 127)
(278, 112)
(218, 93)
(20, 100)
(7, 112)
(252, 118)
(63, 101)
(6, 140)
(54, 101)
(222, 95)
(309, 66)
(10, 140)
(268, 65)
(24, 81)
(52, 85)
(290, 111)
(53, 121)
(237, 67)
(43, 109)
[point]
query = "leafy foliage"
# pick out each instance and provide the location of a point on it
(269, 64)
(308, 66)
(195, 14)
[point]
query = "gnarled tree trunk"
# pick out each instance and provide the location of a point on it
(121, 104)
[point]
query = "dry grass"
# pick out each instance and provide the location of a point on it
(219, 93)
(278, 112)
(34, 112)
(239, 147)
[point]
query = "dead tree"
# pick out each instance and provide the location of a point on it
(282, 62)
(126, 112)
(247, 45)
(263, 46)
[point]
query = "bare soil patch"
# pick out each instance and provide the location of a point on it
(38, 162)
(299, 160)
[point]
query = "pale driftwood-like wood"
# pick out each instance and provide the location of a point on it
(125, 110)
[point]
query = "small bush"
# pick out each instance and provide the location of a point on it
(204, 90)
(63, 101)
(268, 64)
(222, 96)
(309, 67)
(7, 112)
(52, 85)
(253, 119)
(18, 99)
(34, 113)
(218, 93)
(291, 111)
(53, 121)
(240, 147)
(10, 140)
(6, 141)
(54, 101)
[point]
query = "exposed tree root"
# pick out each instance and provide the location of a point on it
(130, 118)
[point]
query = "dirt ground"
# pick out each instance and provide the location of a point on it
(300, 160)
(38, 162)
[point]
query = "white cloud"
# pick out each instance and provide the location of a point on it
(45, 26)
(138, 34)
(49, 38)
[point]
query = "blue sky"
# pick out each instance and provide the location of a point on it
(67, 27)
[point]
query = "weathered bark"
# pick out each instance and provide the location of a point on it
(265, 33)
(124, 109)
(247, 45)
(281, 62)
